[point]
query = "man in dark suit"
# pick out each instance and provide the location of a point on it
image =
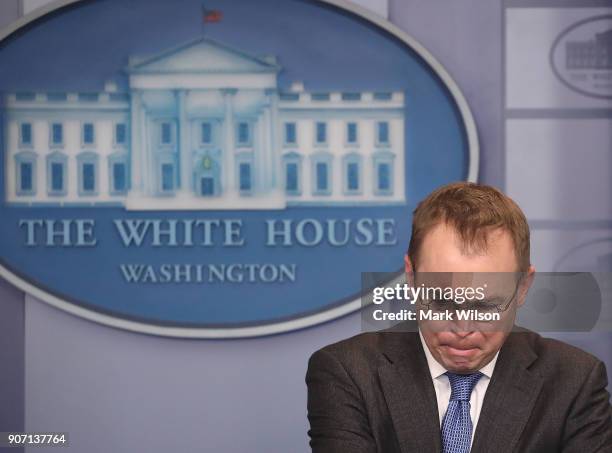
(459, 386)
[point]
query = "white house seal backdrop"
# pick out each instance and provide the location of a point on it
(182, 169)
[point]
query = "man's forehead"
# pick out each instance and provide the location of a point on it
(443, 250)
(493, 281)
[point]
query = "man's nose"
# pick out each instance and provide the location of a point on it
(462, 327)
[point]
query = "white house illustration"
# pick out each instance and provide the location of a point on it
(204, 126)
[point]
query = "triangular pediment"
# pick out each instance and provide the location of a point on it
(202, 56)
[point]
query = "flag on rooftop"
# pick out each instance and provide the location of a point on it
(210, 16)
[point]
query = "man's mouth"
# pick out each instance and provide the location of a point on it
(461, 351)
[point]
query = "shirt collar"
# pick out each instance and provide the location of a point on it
(436, 369)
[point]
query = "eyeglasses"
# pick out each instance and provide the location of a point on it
(498, 303)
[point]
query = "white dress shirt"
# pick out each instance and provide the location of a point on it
(443, 389)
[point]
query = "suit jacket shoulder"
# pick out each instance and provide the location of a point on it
(557, 359)
(366, 350)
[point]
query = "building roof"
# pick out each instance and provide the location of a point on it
(203, 55)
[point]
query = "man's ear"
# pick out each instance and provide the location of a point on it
(525, 284)
(409, 269)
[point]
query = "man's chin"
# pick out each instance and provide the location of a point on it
(461, 368)
(461, 360)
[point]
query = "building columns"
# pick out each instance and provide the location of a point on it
(229, 161)
(135, 145)
(259, 152)
(274, 156)
(185, 177)
(266, 158)
(146, 153)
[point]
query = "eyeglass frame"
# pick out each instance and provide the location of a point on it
(497, 307)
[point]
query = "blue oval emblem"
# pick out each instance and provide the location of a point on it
(179, 169)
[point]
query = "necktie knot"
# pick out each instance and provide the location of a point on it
(462, 385)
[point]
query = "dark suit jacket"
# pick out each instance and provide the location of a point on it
(373, 393)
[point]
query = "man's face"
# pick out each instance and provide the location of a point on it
(461, 346)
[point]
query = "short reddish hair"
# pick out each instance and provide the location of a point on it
(473, 210)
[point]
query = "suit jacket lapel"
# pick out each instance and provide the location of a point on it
(510, 397)
(409, 393)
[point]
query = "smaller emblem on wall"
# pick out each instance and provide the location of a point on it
(581, 57)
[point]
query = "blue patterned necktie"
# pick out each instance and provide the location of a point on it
(457, 423)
